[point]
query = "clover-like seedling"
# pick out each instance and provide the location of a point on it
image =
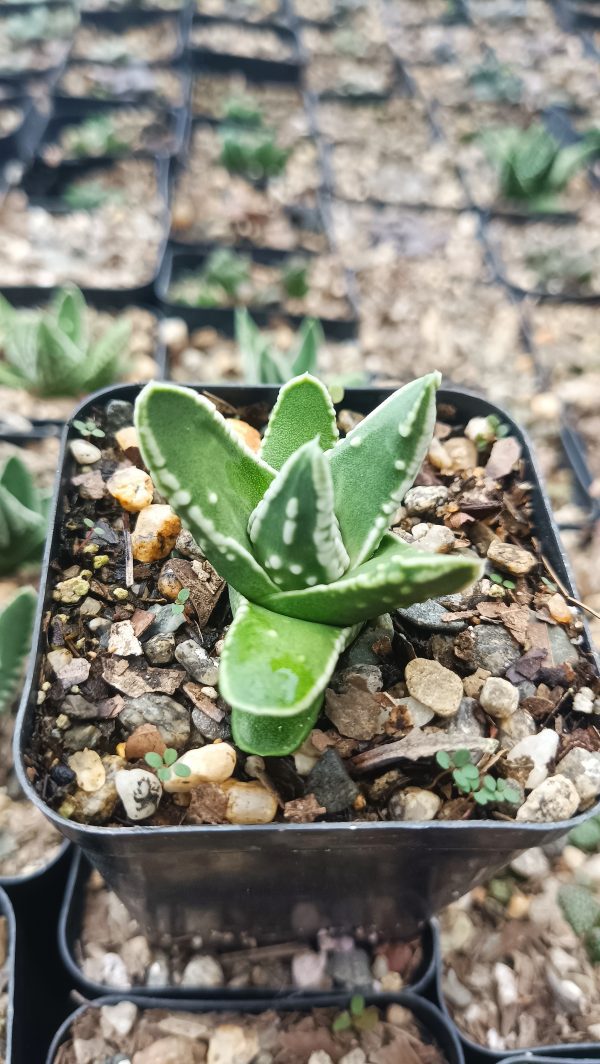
(88, 428)
(502, 581)
(50, 353)
(468, 779)
(182, 596)
(300, 534)
(164, 765)
(357, 1016)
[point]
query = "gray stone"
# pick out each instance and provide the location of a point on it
(187, 546)
(197, 662)
(561, 647)
(331, 784)
(119, 414)
(429, 615)
(582, 767)
(350, 969)
(487, 646)
(171, 718)
(160, 649)
(553, 800)
(158, 973)
(355, 711)
(167, 621)
(425, 499)
(419, 746)
(515, 728)
(434, 686)
(81, 736)
(454, 991)
(467, 723)
(90, 607)
(361, 650)
(369, 674)
(207, 728)
(533, 864)
(203, 971)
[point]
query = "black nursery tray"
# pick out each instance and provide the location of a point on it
(140, 74)
(395, 875)
(177, 263)
(118, 22)
(69, 930)
(426, 1014)
(21, 143)
(10, 1034)
(172, 124)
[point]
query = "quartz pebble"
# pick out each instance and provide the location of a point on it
(123, 641)
(583, 701)
(499, 697)
(118, 1019)
(533, 864)
(132, 488)
(155, 533)
(541, 749)
(554, 799)
(249, 803)
(434, 686)
(413, 803)
(516, 561)
(96, 807)
(436, 539)
(139, 791)
(169, 1050)
(425, 499)
(203, 971)
(84, 452)
(88, 768)
(197, 662)
(127, 438)
(207, 764)
(231, 1044)
(582, 767)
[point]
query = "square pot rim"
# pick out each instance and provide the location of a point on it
(381, 828)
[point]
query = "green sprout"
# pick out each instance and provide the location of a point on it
(294, 279)
(503, 581)
(88, 428)
(469, 781)
(533, 167)
(357, 1016)
(252, 151)
(50, 353)
(493, 81)
(242, 110)
(164, 764)
(308, 559)
(263, 363)
(179, 605)
(89, 196)
(94, 137)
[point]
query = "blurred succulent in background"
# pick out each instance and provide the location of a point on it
(16, 624)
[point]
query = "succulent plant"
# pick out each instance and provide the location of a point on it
(581, 909)
(50, 352)
(23, 518)
(96, 136)
(533, 166)
(264, 363)
(300, 533)
(16, 623)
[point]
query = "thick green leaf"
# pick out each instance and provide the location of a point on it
(21, 344)
(275, 666)
(210, 478)
(294, 530)
(303, 411)
(252, 346)
(71, 315)
(378, 461)
(396, 575)
(61, 366)
(310, 339)
(11, 378)
(273, 736)
(17, 479)
(22, 533)
(103, 360)
(16, 623)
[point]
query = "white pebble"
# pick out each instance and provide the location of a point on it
(139, 791)
(84, 452)
(207, 764)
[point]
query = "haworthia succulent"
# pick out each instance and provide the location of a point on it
(49, 352)
(16, 623)
(22, 518)
(299, 533)
(302, 412)
(294, 530)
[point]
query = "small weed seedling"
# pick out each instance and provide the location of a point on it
(179, 605)
(358, 1016)
(89, 428)
(469, 781)
(164, 765)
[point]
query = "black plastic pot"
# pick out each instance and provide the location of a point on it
(388, 875)
(69, 929)
(39, 430)
(22, 142)
(176, 263)
(6, 910)
(477, 1054)
(427, 1015)
(44, 189)
(287, 70)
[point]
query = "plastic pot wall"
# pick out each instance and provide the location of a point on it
(478, 1054)
(430, 1018)
(281, 880)
(69, 931)
(6, 910)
